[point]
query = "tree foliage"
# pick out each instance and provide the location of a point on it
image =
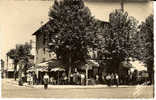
(145, 44)
(20, 53)
(117, 39)
(72, 31)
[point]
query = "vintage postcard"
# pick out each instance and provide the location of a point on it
(77, 49)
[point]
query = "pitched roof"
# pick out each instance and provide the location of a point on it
(50, 22)
(43, 27)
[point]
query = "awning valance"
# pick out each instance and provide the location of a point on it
(43, 64)
(90, 64)
(57, 69)
(93, 63)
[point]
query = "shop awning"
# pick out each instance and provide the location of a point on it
(90, 64)
(31, 69)
(57, 69)
(137, 65)
(51, 65)
(93, 63)
(55, 64)
(43, 64)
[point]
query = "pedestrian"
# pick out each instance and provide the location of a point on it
(108, 78)
(71, 79)
(112, 79)
(28, 78)
(35, 78)
(31, 80)
(46, 81)
(22, 77)
(82, 79)
(51, 80)
(116, 79)
(65, 80)
(97, 77)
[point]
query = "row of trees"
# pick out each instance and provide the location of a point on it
(74, 30)
(20, 56)
(144, 45)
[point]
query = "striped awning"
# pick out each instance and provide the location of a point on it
(51, 64)
(42, 68)
(43, 64)
(57, 69)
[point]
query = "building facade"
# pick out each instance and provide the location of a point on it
(42, 52)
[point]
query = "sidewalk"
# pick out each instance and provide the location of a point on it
(12, 81)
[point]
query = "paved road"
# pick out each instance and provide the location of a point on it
(12, 90)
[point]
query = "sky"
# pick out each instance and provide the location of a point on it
(19, 19)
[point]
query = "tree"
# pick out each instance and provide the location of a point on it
(145, 45)
(117, 39)
(20, 54)
(72, 32)
(12, 54)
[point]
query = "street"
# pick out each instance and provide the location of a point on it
(12, 90)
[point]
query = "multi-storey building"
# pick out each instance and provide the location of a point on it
(42, 53)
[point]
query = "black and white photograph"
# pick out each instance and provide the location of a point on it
(77, 49)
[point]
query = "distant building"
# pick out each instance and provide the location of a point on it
(2, 68)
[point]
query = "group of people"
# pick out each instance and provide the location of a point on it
(112, 79)
(77, 78)
(31, 78)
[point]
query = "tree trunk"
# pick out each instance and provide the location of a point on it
(69, 73)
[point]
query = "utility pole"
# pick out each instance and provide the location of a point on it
(122, 5)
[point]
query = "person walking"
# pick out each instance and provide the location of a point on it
(46, 81)
(116, 79)
(97, 79)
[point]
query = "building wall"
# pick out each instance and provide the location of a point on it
(42, 53)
